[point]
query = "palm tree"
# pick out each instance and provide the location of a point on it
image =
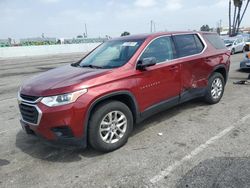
(243, 14)
(230, 20)
(125, 33)
(237, 16)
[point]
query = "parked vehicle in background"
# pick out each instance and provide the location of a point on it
(235, 44)
(97, 100)
(246, 37)
(245, 64)
(248, 44)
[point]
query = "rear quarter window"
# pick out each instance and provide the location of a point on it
(215, 40)
(189, 44)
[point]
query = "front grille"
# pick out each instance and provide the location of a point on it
(29, 98)
(29, 113)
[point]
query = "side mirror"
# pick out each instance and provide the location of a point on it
(146, 62)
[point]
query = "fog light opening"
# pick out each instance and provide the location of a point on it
(62, 132)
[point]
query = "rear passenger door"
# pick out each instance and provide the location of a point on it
(193, 71)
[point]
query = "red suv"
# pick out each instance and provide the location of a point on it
(97, 100)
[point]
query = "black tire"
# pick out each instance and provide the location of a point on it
(94, 136)
(247, 48)
(244, 49)
(209, 98)
(233, 51)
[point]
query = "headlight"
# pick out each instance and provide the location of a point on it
(63, 99)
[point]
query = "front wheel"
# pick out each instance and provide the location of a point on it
(110, 126)
(215, 89)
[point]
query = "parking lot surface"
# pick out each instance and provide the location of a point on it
(191, 145)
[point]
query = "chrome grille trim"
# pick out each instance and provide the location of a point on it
(33, 104)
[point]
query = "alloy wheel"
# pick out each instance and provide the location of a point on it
(217, 88)
(113, 127)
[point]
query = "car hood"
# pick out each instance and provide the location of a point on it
(60, 80)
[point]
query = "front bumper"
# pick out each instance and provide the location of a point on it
(62, 124)
(245, 64)
(79, 142)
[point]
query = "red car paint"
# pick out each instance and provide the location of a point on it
(158, 83)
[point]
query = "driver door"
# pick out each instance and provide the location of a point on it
(159, 84)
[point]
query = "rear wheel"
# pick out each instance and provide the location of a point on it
(110, 126)
(233, 51)
(244, 49)
(215, 88)
(247, 47)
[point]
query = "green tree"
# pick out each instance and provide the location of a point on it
(205, 28)
(125, 33)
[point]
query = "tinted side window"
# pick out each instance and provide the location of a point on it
(161, 49)
(240, 40)
(215, 40)
(188, 45)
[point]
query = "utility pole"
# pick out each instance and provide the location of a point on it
(220, 25)
(86, 31)
(151, 26)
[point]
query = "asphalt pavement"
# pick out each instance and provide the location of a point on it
(199, 145)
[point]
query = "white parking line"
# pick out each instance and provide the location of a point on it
(244, 119)
(4, 100)
(193, 153)
(2, 132)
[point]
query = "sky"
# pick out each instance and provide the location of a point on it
(66, 18)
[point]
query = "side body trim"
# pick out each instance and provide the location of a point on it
(192, 94)
(161, 106)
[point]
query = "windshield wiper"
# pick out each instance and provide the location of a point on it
(92, 66)
(75, 64)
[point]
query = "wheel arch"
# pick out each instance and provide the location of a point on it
(125, 97)
(222, 70)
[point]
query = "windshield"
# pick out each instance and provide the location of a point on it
(228, 41)
(111, 54)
